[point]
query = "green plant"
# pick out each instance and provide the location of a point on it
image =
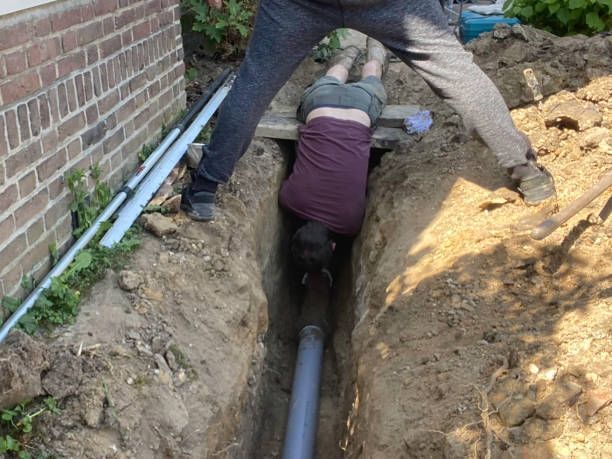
(85, 205)
(227, 28)
(563, 17)
(191, 73)
(19, 422)
(327, 47)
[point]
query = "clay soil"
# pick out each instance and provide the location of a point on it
(455, 334)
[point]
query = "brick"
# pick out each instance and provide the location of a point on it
(51, 165)
(89, 33)
(139, 12)
(42, 27)
(70, 63)
(37, 253)
(23, 159)
(74, 149)
(7, 227)
(87, 12)
(127, 38)
(15, 62)
(57, 211)
(12, 131)
(91, 114)
(49, 141)
(13, 250)
(69, 41)
(141, 31)
(66, 19)
(43, 51)
(125, 17)
(87, 81)
(24, 122)
(34, 117)
(114, 141)
(13, 36)
(153, 89)
(152, 7)
(166, 18)
(103, 78)
(56, 187)
(92, 54)
(137, 82)
(71, 126)
(80, 89)
(27, 184)
(17, 89)
(104, 6)
(54, 104)
(108, 25)
(93, 135)
(154, 24)
(110, 46)
(110, 73)
(97, 83)
(11, 279)
(111, 122)
(62, 99)
(35, 231)
(32, 207)
(3, 143)
(71, 95)
(48, 74)
(8, 197)
(124, 91)
(44, 111)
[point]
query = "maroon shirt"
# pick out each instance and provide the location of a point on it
(329, 177)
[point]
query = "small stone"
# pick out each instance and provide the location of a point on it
(548, 374)
(159, 224)
(533, 369)
(129, 280)
(514, 413)
(541, 430)
(595, 401)
(130, 381)
(173, 204)
(171, 359)
(563, 396)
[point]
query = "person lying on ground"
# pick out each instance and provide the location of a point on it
(326, 189)
(416, 31)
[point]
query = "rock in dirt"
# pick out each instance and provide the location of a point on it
(158, 224)
(570, 112)
(536, 429)
(563, 396)
(593, 137)
(515, 412)
(64, 377)
(595, 401)
(22, 360)
(129, 280)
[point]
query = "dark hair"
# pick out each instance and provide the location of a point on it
(312, 247)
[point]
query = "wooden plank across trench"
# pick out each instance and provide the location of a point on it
(389, 133)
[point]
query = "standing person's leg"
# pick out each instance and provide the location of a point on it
(417, 32)
(285, 31)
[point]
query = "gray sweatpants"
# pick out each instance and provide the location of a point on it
(414, 30)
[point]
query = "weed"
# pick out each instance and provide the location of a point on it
(191, 73)
(326, 48)
(87, 206)
(16, 425)
(226, 28)
(145, 152)
(181, 358)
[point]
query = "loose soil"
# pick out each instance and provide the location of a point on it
(455, 334)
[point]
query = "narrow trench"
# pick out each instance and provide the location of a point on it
(284, 292)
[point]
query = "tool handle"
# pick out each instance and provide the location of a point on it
(552, 223)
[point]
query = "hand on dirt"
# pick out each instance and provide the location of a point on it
(215, 3)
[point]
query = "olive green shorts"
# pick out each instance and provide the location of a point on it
(367, 95)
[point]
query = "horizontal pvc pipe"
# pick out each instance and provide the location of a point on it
(134, 207)
(108, 212)
(302, 423)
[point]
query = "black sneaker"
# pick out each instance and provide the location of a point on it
(535, 183)
(198, 205)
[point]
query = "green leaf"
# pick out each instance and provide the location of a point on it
(594, 21)
(527, 11)
(575, 4)
(563, 15)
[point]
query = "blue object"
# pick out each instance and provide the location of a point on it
(473, 24)
(419, 123)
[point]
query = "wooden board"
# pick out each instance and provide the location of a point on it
(389, 133)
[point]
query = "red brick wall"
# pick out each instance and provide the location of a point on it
(82, 82)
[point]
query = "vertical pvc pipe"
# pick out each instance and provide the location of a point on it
(300, 437)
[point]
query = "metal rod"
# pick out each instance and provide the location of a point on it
(108, 212)
(134, 207)
(300, 437)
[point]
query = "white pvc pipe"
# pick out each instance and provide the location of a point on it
(134, 207)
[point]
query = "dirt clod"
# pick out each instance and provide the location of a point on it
(563, 396)
(64, 376)
(514, 412)
(129, 280)
(158, 224)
